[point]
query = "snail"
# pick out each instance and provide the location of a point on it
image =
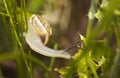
(38, 35)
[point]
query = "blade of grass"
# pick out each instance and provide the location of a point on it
(12, 24)
(41, 64)
(4, 14)
(91, 16)
(116, 66)
(24, 18)
(8, 56)
(90, 62)
(18, 61)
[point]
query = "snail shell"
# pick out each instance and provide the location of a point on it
(38, 35)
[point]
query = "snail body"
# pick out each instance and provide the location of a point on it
(38, 35)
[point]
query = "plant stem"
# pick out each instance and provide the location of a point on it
(91, 15)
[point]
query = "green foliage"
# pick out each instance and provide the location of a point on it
(96, 59)
(14, 23)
